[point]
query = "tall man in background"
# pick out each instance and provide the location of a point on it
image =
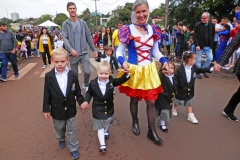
(77, 37)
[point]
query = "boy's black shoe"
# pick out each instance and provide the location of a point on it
(106, 137)
(61, 144)
(198, 76)
(206, 75)
(230, 116)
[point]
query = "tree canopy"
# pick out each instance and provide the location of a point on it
(60, 18)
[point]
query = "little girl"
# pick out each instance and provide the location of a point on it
(184, 79)
(23, 48)
(101, 89)
(164, 102)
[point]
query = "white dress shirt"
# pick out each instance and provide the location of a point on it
(62, 79)
(188, 70)
(102, 85)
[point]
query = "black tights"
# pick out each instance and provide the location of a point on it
(150, 110)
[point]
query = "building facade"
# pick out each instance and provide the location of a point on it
(15, 16)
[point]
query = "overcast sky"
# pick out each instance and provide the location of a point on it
(35, 8)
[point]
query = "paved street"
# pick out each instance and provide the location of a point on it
(26, 135)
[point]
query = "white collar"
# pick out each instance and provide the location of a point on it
(65, 71)
(103, 82)
(171, 76)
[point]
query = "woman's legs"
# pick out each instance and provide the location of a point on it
(134, 113)
(44, 58)
(46, 50)
(152, 134)
(151, 113)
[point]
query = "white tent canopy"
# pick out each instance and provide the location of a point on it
(48, 23)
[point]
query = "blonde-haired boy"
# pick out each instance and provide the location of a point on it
(60, 89)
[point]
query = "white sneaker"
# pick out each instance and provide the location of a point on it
(192, 118)
(44, 66)
(50, 65)
(174, 111)
(85, 88)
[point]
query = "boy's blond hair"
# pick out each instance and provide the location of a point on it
(238, 8)
(104, 64)
(59, 51)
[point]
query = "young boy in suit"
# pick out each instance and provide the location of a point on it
(108, 56)
(101, 89)
(60, 89)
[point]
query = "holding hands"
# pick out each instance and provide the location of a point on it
(216, 67)
(125, 67)
(84, 105)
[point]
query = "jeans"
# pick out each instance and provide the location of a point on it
(209, 57)
(178, 50)
(38, 53)
(5, 57)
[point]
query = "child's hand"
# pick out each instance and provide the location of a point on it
(47, 115)
(84, 105)
(118, 70)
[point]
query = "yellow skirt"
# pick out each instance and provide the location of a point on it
(144, 82)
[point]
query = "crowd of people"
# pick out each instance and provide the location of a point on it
(138, 77)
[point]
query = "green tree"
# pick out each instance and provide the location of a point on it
(221, 8)
(60, 18)
(158, 11)
(44, 18)
(125, 13)
(6, 20)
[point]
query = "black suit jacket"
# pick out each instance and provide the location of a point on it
(112, 63)
(102, 105)
(185, 90)
(165, 99)
(61, 107)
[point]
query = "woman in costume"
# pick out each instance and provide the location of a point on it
(142, 42)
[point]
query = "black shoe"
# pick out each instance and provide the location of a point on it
(164, 130)
(152, 135)
(103, 150)
(106, 137)
(206, 75)
(198, 76)
(135, 127)
(230, 116)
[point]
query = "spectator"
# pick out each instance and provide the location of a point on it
(100, 39)
(7, 51)
(216, 39)
(77, 38)
(115, 40)
(107, 37)
(45, 45)
(204, 40)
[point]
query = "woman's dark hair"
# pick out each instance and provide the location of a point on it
(187, 55)
(70, 4)
(48, 34)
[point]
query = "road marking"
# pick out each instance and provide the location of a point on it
(45, 70)
(23, 71)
